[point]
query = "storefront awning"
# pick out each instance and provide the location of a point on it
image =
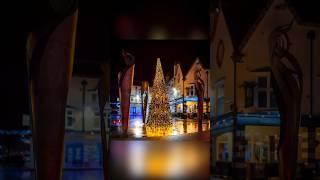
(186, 99)
(261, 119)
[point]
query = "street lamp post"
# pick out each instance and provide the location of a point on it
(237, 146)
(175, 93)
(183, 108)
(311, 37)
(311, 131)
(84, 84)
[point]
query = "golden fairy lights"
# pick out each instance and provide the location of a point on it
(159, 117)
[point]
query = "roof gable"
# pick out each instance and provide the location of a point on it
(194, 65)
(275, 15)
(241, 18)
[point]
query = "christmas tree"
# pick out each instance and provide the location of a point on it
(159, 117)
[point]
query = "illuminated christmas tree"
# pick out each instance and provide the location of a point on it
(159, 117)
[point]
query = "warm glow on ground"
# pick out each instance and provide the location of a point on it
(159, 131)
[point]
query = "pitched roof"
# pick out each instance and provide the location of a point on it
(186, 66)
(241, 18)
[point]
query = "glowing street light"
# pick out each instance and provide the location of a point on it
(175, 92)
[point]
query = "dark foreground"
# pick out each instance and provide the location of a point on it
(187, 158)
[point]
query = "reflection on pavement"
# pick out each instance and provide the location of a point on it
(174, 157)
(180, 127)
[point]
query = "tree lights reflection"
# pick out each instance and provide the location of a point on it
(179, 127)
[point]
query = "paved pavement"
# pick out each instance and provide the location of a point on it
(184, 155)
(180, 127)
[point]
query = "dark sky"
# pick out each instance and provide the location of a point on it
(147, 51)
(103, 28)
(177, 19)
(174, 30)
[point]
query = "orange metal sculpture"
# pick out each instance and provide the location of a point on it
(125, 78)
(287, 80)
(200, 93)
(50, 68)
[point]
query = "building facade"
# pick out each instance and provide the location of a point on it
(82, 112)
(181, 88)
(135, 100)
(82, 124)
(247, 85)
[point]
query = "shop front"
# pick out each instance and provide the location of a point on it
(261, 134)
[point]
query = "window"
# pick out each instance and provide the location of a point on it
(69, 116)
(265, 97)
(223, 147)
(69, 121)
(262, 99)
(133, 110)
(190, 91)
(261, 143)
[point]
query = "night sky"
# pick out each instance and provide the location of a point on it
(174, 30)
(147, 51)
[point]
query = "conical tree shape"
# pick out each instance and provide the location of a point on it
(159, 117)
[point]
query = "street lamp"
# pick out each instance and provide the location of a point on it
(175, 92)
(236, 58)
